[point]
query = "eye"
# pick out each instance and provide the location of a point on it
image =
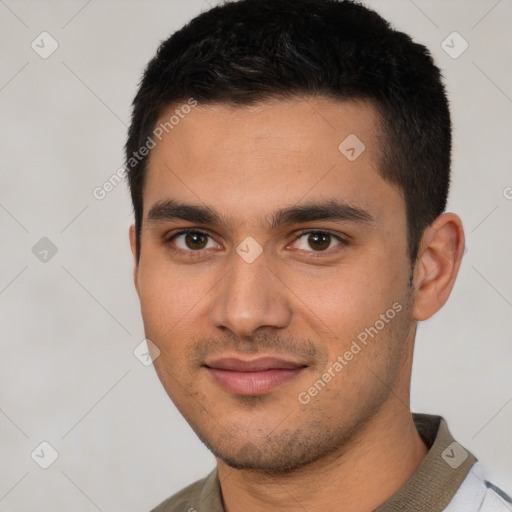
(318, 241)
(192, 240)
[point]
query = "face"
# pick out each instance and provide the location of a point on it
(283, 315)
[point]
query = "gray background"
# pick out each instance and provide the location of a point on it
(69, 323)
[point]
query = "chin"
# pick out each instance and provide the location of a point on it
(284, 452)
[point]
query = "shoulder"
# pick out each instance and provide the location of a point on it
(479, 495)
(185, 500)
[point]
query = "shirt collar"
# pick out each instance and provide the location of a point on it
(439, 476)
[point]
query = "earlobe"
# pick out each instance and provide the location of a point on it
(437, 266)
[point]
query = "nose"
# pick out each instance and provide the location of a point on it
(250, 296)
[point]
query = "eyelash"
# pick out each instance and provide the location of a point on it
(343, 242)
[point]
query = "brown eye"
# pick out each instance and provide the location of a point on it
(192, 241)
(318, 241)
(196, 240)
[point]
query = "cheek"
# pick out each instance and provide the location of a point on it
(157, 304)
(347, 295)
(166, 307)
(164, 295)
(345, 306)
(173, 308)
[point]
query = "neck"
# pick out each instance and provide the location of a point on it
(362, 475)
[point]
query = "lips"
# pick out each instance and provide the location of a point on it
(252, 377)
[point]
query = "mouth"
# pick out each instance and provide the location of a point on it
(253, 377)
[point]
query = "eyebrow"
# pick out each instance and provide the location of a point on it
(335, 210)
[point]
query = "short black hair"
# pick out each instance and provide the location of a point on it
(249, 51)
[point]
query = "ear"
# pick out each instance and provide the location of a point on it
(133, 246)
(439, 258)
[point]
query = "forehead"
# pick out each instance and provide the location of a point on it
(297, 125)
(254, 159)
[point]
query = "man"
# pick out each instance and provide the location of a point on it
(289, 169)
